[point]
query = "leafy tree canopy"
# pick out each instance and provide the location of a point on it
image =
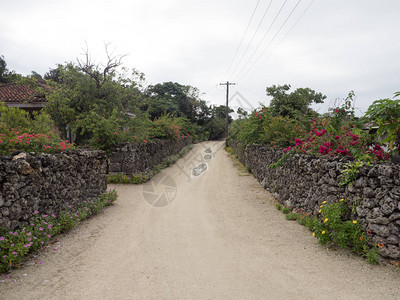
(7, 76)
(295, 104)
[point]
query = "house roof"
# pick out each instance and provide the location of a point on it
(14, 93)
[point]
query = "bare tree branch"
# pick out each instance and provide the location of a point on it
(92, 69)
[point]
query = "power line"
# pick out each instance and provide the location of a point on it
(265, 49)
(252, 38)
(287, 33)
(265, 35)
(240, 44)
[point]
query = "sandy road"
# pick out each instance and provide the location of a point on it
(220, 238)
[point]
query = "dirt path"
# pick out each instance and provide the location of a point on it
(220, 238)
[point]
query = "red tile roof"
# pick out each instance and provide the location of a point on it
(19, 93)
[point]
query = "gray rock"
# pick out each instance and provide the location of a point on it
(388, 205)
(375, 213)
(385, 171)
(380, 220)
(361, 212)
(393, 239)
(394, 216)
(379, 229)
(368, 192)
(390, 251)
(368, 203)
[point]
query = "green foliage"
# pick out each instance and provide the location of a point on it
(278, 206)
(216, 128)
(7, 76)
(229, 150)
(21, 132)
(295, 105)
(169, 127)
(15, 245)
(335, 228)
(281, 131)
(291, 216)
(280, 162)
(131, 179)
(385, 113)
(350, 172)
(372, 256)
(93, 104)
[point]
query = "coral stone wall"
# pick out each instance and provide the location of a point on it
(135, 158)
(304, 182)
(48, 183)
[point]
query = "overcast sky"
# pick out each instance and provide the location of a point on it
(330, 46)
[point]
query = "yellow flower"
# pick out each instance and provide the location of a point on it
(326, 220)
(354, 222)
(313, 234)
(319, 211)
(323, 232)
(321, 206)
(324, 202)
(341, 200)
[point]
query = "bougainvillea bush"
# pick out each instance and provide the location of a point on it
(338, 133)
(14, 245)
(20, 131)
(14, 140)
(350, 141)
(261, 127)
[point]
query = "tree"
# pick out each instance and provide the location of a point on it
(295, 104)
(386, 114)
(7, 76)
(173, 98)
(87, 95)
(216, 123)
(242, 113)
(3, 70)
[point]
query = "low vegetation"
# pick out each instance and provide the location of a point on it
(15, 245)
(332, 226)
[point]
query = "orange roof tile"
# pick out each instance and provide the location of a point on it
(19, 93)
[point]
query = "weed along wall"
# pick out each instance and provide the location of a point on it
(48, 183)
(304, 182)
(135, 158)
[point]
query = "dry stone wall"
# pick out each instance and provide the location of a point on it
(304, 182)
(48, 183)
(135, 158)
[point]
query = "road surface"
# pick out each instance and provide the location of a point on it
(212, 236)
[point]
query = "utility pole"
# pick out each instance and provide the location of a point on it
(226, 109)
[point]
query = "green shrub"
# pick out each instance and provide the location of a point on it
(291, 216)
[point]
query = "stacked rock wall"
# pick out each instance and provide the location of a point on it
(135, 158)
(304, 182)
(48, 183)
